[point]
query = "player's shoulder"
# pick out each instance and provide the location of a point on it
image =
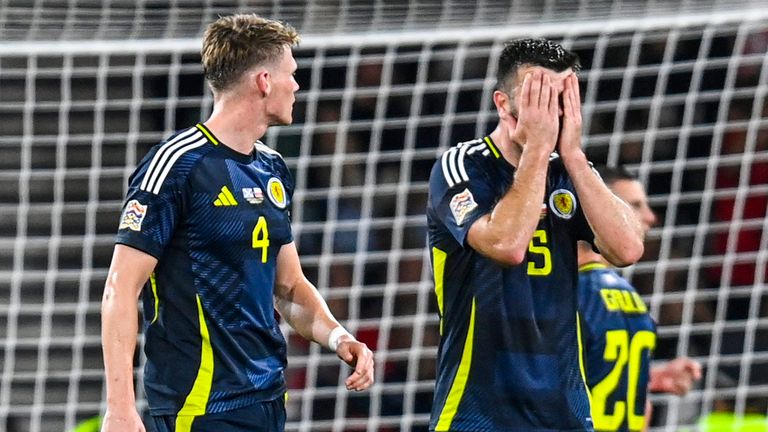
(174, 157)
(479, 149)
(460, 162)
(269, 157)
(266, 152)
(601, 276)
(181, 142)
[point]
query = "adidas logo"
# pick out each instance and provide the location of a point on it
(225, 198)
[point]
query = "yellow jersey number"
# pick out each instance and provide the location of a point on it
(260, 238)
(538, 246)
(627, 356)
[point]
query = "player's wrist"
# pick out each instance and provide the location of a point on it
(536, 153)
(573, 157)
(118, 404)
(336, 336)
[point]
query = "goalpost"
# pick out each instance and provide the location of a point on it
(676, 91)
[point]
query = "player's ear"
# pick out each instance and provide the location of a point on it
(504, 106)
(261, 80)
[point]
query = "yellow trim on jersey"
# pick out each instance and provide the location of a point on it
(460, 380)
(207, 133)
(592, 266)
(492, 146)
(197, 399)
(184, 423)
(153, 284)
(581, 357)
(225, 198)
(439, 257)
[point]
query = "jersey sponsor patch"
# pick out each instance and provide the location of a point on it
(563, 203)
(253, 195)
(461, 205)
(276, 192)
(133, 216)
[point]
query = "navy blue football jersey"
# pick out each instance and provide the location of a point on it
(509, 356)
(619, 338)
(215, 219)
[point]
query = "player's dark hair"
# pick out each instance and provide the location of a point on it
(532, 52)
(235, 43)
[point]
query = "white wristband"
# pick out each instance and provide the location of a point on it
(336, 334)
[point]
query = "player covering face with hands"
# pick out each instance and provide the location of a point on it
(504, 215)
(205, 238)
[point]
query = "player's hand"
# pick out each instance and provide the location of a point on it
(676, 376)
(122, 420)
(569, 142)
(357, 355)
(537, 123)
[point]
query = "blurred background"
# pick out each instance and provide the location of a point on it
(673, 90)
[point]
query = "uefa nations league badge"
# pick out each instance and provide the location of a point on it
(461, 205)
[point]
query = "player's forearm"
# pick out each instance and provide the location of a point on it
(513, 220)
(306, 312)
(618, 233)
(119, 327)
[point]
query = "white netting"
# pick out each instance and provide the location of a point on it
(678, 95)
(152, 19)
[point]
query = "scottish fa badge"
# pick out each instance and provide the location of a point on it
(276, 192)
(563, 203)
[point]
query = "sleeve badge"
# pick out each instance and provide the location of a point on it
(462, 205)
(133, 216)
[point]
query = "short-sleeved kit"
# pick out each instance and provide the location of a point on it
(509, 352)
(215, 219)
(619, 338)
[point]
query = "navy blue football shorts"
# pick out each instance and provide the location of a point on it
(266, 416)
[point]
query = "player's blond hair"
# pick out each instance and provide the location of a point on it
(235, 43)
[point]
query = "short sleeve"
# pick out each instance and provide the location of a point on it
(460, 193)
(150, 215)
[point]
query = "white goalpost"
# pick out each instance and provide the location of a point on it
(675, 91)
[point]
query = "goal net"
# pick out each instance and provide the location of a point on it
(676, 91)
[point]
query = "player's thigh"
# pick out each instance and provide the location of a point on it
(261, 417)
